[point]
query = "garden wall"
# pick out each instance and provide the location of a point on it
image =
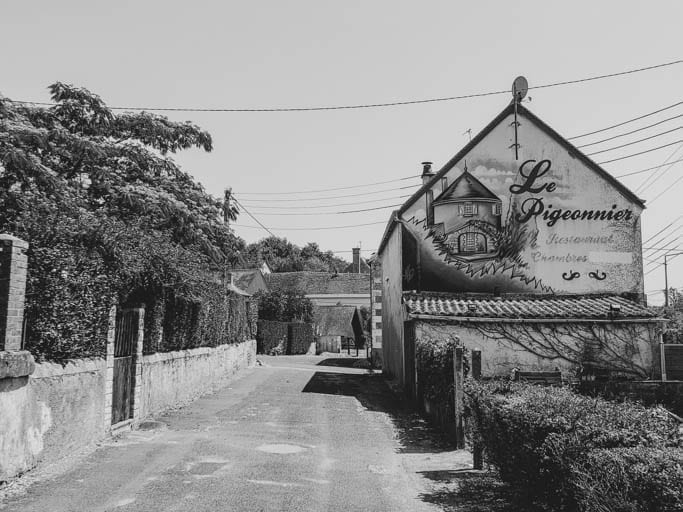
(55, 412)
(172, 378)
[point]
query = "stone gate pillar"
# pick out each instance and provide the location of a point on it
(14, 362)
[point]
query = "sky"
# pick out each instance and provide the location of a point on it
(303, 53)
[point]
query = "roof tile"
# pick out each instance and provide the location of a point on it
(575, 307)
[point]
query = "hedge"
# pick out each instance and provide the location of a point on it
(277, 338)
(556, 448)
(271, 337)
(300, 337)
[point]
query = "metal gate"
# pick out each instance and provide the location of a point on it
(125, 348)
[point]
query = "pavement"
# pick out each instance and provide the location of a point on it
(296, 433)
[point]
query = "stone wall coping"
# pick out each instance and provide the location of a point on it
(160, 357)
(16, 364)
(48, 370)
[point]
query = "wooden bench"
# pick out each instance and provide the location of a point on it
(541, 378)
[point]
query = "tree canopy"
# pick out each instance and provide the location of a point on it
(108, 214)
(284, 256)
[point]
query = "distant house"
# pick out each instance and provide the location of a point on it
(324, 288)
(249, 280)
(338, 327)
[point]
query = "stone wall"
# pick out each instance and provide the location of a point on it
(54, 412)
(172, 378)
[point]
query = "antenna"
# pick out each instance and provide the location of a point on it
(520, 87)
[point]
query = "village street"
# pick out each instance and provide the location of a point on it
(287, 435)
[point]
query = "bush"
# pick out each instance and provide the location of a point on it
(434, 363)
(640, 478)
(550, 443)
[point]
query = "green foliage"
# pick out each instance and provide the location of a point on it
(105, 210)
(434, 361)
(551, 444)
(284, 306)
(284, 256)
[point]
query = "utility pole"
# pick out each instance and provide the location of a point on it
(666, 277)
(226, 205)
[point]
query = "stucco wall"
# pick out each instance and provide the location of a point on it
(392, 309)
(169, 379)
(604, 254)
(499, 357)
(54, 412)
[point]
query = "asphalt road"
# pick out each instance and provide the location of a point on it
(293, 434)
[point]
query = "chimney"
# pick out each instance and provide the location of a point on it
(427, 173)
(356, 260)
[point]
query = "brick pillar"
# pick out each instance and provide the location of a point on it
(13, 263)
(14, 362)
(109, 370)
(137, 390)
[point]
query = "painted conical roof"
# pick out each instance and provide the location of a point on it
(466, 186)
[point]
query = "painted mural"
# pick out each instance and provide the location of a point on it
(543, 223)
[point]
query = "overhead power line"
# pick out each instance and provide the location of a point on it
(315, 228)
(330, 189)
(298, 200)
(664, 228)
(626, 122)
(635, 141)
(255, 219)
(631, 132)
(668, 189)
(648, 169)
(334, 213)
(641, 152)
(656, 176)
(317, 207)
(385, 104)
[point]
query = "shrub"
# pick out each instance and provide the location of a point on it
(543, 439)
(434, 362)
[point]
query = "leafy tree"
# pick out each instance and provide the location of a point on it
(108, 214)
(285, 306)
(284, 256)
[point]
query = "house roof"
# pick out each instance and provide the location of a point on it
(319, 283)
(582, 307)
(466, 186)
(337, 321)
(521, 110)
(244, 279)
(351, 268)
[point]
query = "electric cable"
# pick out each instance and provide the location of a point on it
(629, 133)
(634, 142)
(664, 228)
(379, 105)
(658, 174)
(255, 219)
(309, 207)
(330, 189)
(641, 152)
(298, 200)
(316, 228)
(648, 169)
(626, 122)
(667, 189)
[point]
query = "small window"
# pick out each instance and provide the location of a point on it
(378, 312)
(496, 209)
(468, 210)
(378, 325)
